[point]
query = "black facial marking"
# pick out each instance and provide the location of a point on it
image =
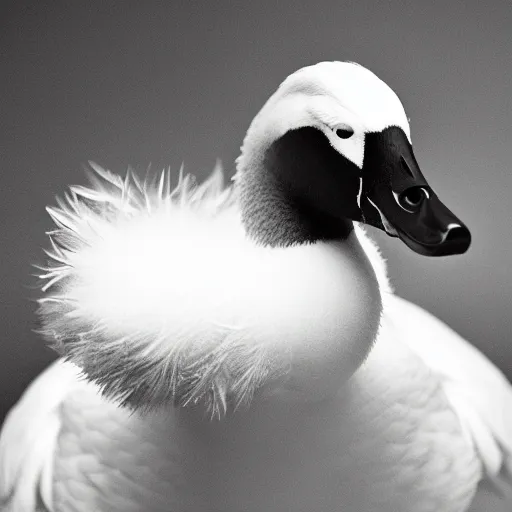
(304, 192)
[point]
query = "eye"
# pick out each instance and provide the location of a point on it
(344, 133)
(412, 198)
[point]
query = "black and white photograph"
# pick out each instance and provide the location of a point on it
(255, 256)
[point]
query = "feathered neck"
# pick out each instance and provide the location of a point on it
(276, 214)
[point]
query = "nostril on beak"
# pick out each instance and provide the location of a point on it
(458, 235)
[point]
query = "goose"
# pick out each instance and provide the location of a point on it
(240, 348)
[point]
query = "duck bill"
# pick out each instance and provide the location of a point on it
(431, 230)
(402, 203)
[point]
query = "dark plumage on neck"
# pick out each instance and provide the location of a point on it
(300, 190)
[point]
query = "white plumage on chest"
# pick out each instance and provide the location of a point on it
(389, 441)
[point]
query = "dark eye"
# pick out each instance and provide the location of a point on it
(344, 133)
(412, 198)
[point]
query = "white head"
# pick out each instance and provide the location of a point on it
(331, 96)
(336, 139)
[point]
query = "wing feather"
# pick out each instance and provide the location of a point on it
(478, 391)
(28, 441)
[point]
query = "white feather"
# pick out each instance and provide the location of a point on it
(28, 441)
(478, 391)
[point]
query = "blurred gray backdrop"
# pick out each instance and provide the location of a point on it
(139, 82)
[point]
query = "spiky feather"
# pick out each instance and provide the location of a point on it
(142, 367)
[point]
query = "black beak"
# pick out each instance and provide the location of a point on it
(396, 197)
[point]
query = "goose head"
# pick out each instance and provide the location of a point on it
(332, 146)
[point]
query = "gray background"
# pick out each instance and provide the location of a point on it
(135, 82)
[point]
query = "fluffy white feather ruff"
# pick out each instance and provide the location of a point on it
(158, 295)
(134, 289)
